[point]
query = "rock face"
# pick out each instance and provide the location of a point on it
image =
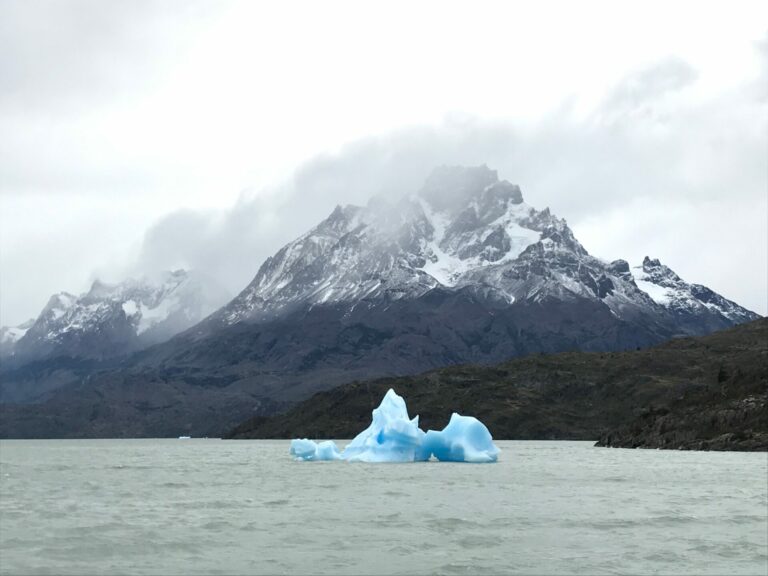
(732, 415)
(460, 271)
(706, 392)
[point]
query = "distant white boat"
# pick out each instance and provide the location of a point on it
(184, 437)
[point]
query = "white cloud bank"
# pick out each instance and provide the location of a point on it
(651, 171)
(128, 130)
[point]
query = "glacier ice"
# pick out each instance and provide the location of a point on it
(303, 449)
(394, 437)
(465, 439)
(327, 451)
(391, 437)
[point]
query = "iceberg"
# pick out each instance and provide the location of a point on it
(394, 437)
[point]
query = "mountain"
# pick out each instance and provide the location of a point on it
(467, 231)
(463, 231)
(460, 271)
(706, 392)
(115, 319)
(75, 336)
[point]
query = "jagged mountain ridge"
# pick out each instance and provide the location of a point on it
(466, 229)
(669, 290)
(116, 319)
(393, 251)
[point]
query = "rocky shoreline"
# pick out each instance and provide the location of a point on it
(734, 424)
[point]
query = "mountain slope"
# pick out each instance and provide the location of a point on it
(705, 392)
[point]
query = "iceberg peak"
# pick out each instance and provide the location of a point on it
(394, 437)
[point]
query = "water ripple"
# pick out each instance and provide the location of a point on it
(214, 507)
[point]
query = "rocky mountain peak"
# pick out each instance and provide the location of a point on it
(620, 268)
(450, 189)
(100, 289)
(656, 272)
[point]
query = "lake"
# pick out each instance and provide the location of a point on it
(244, 507)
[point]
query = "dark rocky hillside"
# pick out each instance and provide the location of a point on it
(692, 393)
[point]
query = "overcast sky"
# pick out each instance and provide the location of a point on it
(137, 136)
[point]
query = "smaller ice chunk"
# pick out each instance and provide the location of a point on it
(304, 449)
(391, 437)
(327, 451)
(465, 439)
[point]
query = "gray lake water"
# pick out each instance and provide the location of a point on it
(232, 507)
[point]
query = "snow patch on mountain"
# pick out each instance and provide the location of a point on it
(442, 266)
(443, 251)
(131, 307)
(658, 294)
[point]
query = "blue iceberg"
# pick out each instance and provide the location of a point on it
(394, 437)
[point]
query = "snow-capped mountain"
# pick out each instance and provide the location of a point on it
(461, 221)
(467, 230)
(115, 319)
(462, 271)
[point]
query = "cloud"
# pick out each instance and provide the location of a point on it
(685, 184)
(70, 71)
(113, 115)
(63, 57)
(761, 84)
(649, 85)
